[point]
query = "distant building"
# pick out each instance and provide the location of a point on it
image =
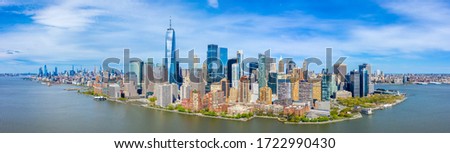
(405, 79)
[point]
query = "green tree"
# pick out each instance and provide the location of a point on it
(152, 101)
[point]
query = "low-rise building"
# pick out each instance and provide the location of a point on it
(296, 110)
(239, 109)
(114, 91)
(343, 94)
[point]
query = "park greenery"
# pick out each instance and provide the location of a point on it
(369, 101)
(335, 113)
(122, 99)
(208, 112)
(181, 108)
(92, 93)
(170, 107)
(152, 101)
(303, 118)
(243, 115)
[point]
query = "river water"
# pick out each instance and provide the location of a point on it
(29, 106)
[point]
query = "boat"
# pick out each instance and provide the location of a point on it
(99, 98)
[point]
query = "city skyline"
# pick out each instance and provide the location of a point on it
(381, 33)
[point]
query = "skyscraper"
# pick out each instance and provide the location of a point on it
(136, 72)
(244, 90)
(284, 87)
(316, 89)
(213, 66)
(290, 66)
(364, 70)
(326, 87)
(46, 72)
(272, 82)
(239, 56)
(340, 71)
(281, 65)
(253, 73)
(55, 73)
(355, 83)
(252, 66)
(223, 54)
(235, 76)
(305, 91)
(262, 71)
(230, 70)
(170, 54)
(41, 73)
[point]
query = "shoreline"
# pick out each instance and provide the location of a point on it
(356, 116)
(392, 105)
(141, 104)
(176, 111)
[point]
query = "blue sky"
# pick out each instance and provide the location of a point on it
(393, 36)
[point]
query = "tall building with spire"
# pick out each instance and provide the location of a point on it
(170, 61)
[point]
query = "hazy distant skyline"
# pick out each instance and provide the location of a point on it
(393, 36)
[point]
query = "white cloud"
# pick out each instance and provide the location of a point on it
(69, 31)
(70, 15)
(213, 3)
